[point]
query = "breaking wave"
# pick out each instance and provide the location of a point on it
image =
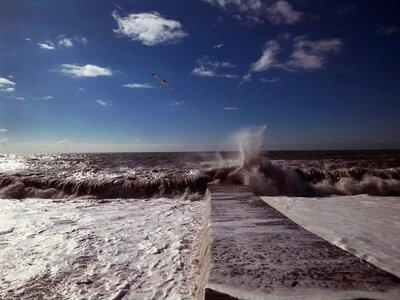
(269, 179)
(186, 175)
(33, 187)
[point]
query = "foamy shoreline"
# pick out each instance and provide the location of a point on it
(73, 249)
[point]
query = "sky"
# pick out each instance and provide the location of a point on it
(76, 75)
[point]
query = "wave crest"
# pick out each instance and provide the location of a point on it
(19, 187)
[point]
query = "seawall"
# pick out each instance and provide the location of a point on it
(252, 251)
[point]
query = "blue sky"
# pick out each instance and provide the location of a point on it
(75, 75)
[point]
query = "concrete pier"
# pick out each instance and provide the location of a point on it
(251, 251)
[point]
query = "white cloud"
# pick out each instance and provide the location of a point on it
(283, 13)
(69, 42)
(242, 5)
(387, 30)
(48, 45)
(45, 98)
(65, 141)
(6, 82)
(16, 98)
(306, 55)
(245, 78)
(3, 130)
(28, 39)
(312, 54)
(208, 68)
(85, 71)
(138, 85)
(178, 103)
(267, 59)
(7, 85)
(149, 28)
(65, 42)
(256, 11)
(101, 102)
(271, 80)
(231, 108)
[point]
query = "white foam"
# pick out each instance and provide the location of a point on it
(93, 250)
(367, 226)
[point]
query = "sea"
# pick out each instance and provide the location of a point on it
(129, 225)
(174, 175)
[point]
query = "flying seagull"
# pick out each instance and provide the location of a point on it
(163, 81)
(218, 46)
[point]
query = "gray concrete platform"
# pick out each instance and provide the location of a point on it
(252, 251)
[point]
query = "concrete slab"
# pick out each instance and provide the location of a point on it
(251, 251)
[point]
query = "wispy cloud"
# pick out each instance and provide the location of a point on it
(241, 5)
(48, 45)
(62, 42)
(69, 42)
(207, 68)
(16, 98)
(312, 54)
(178, 103)
(65, 42)
(266, 61)
(270, 80)
(138, 85)
(44, 98)
(85, 70)
(7, 85)
(65, 141)
(231, 108)
(306, 55)
(102, 103)
(267, 58)
(246, 78)
(387, 30)
(256, 11)
(149, 28)
(283, 13)
(3, 130)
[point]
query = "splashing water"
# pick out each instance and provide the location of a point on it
(250, 141)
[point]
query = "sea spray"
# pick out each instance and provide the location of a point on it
(262, 175)
(269, 179)
(250, 141)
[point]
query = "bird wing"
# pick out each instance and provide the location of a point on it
(163, 81)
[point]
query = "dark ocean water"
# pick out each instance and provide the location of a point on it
(146, 175)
